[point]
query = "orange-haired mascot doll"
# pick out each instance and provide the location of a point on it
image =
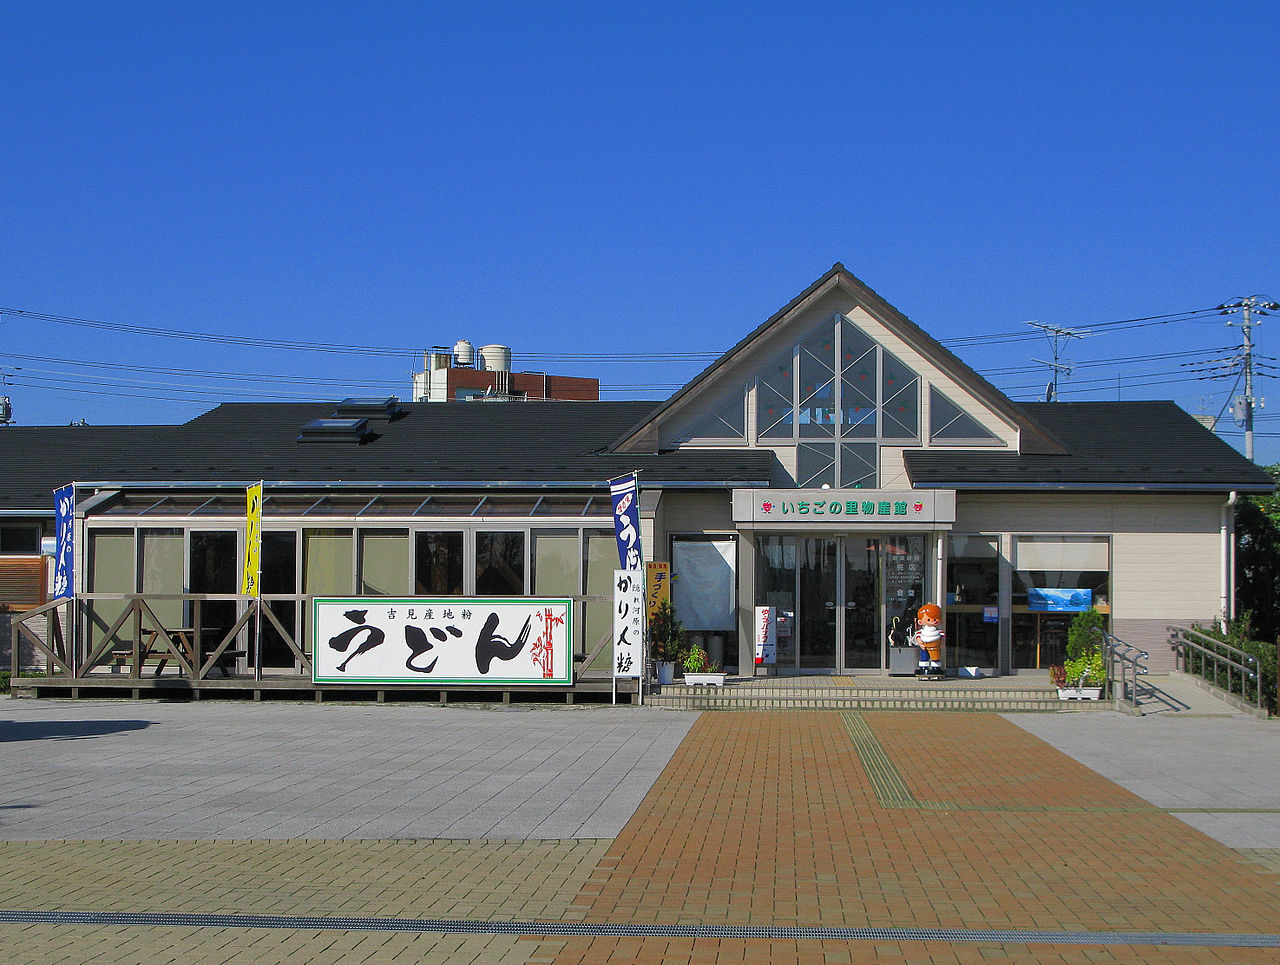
(930, 638)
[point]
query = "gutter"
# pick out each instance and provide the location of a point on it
(1096, 487)
(1227, 596)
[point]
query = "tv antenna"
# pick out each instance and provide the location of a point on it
(1058, 339)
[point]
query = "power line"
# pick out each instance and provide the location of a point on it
(626, 358)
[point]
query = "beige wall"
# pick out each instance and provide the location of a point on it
(710, 512)
(1166, 550)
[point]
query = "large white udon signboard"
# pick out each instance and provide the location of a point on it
(442, 640)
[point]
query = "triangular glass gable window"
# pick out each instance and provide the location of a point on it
(728, 420)
(949, 423)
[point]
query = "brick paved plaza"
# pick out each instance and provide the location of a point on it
(957, 826)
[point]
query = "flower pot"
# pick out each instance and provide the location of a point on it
(1079, 693)
(704, 679)
(666, 672)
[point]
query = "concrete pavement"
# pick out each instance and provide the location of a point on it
(149, 832)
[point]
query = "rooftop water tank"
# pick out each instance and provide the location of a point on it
(463, 351)
(495, 358)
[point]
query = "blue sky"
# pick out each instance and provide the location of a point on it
(596, 179)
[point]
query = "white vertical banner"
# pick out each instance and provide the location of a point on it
(766, 634)
(628, 623)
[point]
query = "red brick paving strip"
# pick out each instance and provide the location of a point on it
(770, 819)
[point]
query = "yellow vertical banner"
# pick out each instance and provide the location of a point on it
(657, 585)
(253, 541)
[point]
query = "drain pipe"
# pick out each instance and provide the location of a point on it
(1228, 532)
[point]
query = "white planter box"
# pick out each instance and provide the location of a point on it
(1079, 693)
(704, 679)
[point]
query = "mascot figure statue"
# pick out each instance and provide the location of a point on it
(929, 637)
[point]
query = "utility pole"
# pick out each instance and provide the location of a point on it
(1058, 337)
(1248, 308)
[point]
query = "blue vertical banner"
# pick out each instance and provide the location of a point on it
(64, 528)
(625, 491)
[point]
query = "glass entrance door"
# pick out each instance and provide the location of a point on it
(816, 614)
(863, 641)
(834, 595)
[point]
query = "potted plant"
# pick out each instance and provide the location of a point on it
(1081, 678)
(699, 670)
(667, 638)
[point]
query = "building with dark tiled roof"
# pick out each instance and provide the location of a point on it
(837, 464)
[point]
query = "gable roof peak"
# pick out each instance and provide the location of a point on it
(1035, 438)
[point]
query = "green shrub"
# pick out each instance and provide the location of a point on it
(1086, 670)
(4, 682)
(1082, 635)
(697, 661)
(667, 635)
(1241, 635)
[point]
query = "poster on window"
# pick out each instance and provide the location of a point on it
(1044, 600)
(704, 584)
(453, 640)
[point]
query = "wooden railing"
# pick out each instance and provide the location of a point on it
(80, 640)
(137, 637)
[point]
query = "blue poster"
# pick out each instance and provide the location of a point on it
(625, 491)
(64, 527)
(1059, 601)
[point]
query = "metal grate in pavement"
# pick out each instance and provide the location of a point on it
(612, 930)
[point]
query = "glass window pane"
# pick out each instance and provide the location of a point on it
(439, 564)
(704, 589)
(280, 575)
(20, 539)
(815, 464)
(326, 562)
(213, 569)
(973, 587)
(602, 560)
(160, 570)
(726, 421)
(775, 390)
(949, 423)
(858, 465)
(500, 563)
(901, 394)
(384, 562)
(111, 570)
(555, 563)
(776, 587)
(816, 410)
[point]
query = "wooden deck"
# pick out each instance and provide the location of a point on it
(296, 687)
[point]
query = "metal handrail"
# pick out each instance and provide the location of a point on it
(1190, 657)
(1124, 664)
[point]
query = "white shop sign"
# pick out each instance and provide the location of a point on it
(430, 641)
(844, 508)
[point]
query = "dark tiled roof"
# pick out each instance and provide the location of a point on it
(1112, 445)
(472, 443)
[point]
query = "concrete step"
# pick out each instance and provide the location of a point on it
(942, 696)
